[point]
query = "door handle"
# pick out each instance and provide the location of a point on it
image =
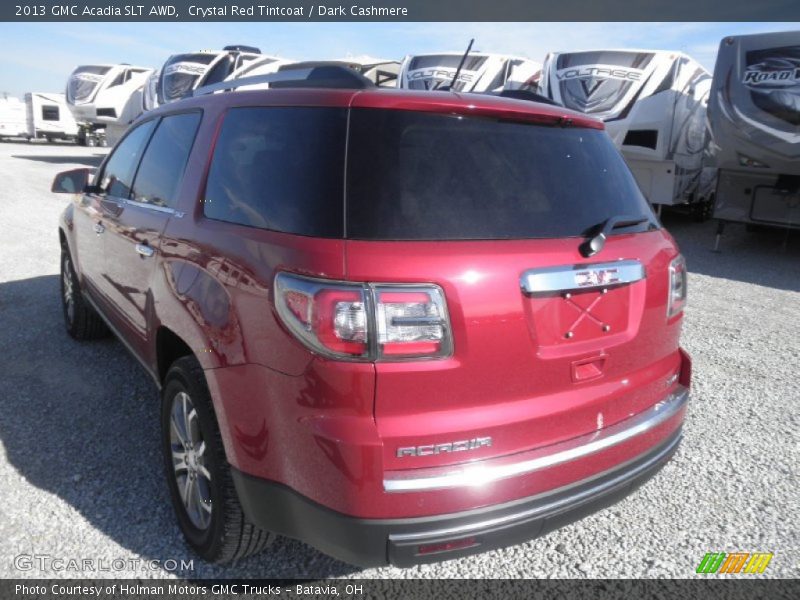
(98, 228)
(145, 250)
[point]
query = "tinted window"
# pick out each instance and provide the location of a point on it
(165, 159)
(280, 169)
(49, 113)
(424, 176)
(121, 166)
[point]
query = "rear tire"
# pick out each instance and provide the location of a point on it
(201, 488)
(81, 320)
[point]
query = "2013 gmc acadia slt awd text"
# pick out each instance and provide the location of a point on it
(399, 326)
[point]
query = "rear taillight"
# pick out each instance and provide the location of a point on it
(365, 321)
(677, 286)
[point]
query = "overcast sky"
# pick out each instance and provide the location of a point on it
(40, 56)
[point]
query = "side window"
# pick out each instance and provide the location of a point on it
(165, 159)
(280, 169)
(49, 113)
(118, 174)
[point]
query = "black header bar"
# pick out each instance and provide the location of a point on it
(398, 10)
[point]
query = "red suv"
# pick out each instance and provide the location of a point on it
(399, 326)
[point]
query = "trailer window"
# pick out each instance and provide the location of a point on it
(165, 159)
(50, 113)
(280, 169)
(444, 177)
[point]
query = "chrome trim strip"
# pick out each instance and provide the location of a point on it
(480, 473)
(148, 205)
(551, 506)
(565, 278)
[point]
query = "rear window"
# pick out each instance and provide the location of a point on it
(421, 176)
(280, 169)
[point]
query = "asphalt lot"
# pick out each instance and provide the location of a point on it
(79, 451)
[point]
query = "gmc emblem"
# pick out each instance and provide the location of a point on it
(596, 277)
(430, 449)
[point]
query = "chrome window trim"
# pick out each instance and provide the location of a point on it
(480, 473)
(155, 207)
(562, 278)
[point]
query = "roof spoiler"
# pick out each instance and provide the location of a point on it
(328, 76)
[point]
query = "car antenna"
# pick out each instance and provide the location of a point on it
(461, 64)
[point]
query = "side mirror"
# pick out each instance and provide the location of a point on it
(71, 182)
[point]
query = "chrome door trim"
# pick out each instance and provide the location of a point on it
(581, 277)
(162, 209)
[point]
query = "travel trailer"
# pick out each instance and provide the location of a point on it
(480, 72)
(754, 114)
(654, 107)
(105, 97)
(12, 118)
(47, 116)
(380, 72)
(184, 73)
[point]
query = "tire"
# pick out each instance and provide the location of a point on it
(211, 519)
(91, 142)
(81, 320)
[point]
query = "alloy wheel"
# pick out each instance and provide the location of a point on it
(189, 461)
(68, 290)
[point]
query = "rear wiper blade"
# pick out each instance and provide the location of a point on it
(594, 244)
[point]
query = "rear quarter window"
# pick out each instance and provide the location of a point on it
(280, 169)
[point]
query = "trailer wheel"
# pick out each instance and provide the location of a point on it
(91, 141)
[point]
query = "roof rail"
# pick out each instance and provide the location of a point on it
(327, 76)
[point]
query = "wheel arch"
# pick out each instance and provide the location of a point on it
(169, 348)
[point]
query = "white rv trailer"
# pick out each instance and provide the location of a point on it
(481, 72)
(12, 118)
(105, 95)
(754, 114)
(654, 104)
(382, 72)
(48, 117)
(183, 73)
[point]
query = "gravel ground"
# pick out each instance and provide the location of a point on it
(79, 455)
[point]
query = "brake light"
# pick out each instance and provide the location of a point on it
(329, 318)
(365, 321)
(677, 286)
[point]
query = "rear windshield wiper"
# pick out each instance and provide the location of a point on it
(594, 244)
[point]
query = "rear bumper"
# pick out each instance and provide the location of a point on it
(374, 542)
